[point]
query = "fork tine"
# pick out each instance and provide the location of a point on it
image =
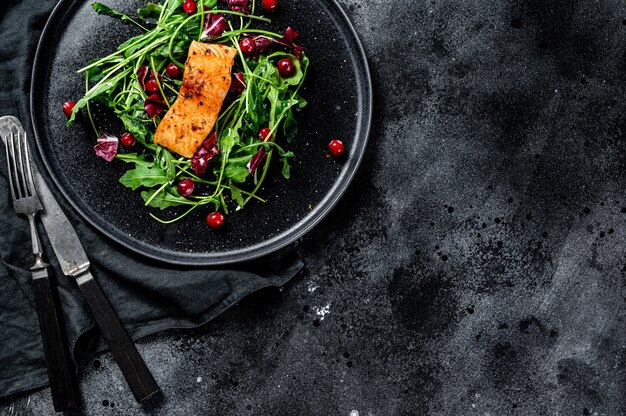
(10, 170)
(16, 177)
(20, 165)
(28, 174)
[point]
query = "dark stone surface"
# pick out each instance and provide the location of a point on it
(477, 264)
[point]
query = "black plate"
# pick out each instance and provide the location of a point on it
(340, 106)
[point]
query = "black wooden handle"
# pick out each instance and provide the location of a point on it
(61, 373)
(134, 369)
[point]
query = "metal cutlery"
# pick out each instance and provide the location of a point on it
(61, 373)
(74, 263)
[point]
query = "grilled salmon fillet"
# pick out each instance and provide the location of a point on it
(206, 82)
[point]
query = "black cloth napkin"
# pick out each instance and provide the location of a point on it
(148, 297)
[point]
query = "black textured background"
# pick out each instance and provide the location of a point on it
(477, 264)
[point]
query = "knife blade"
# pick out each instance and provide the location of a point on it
(75, 263)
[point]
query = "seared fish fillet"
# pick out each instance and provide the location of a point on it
(205, 84)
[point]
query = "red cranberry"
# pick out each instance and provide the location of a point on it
(186, 187)
(68, 107)
(215, 219)
(173, 71)
(190, 7)
(247, 45)
(336, 148)
(264, 134)
(285, 67)
(127, 139)
(152, 87)
(270, 5)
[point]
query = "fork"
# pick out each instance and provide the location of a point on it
(64, 390)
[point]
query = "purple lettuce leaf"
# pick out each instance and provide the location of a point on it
(145, 74)
(206, 152)
(256, 160)
(297, 51)
(142, 74)
(241, 6)
(214, 26)
(238, 83)
(106, 147)
(198, 164)
(290, 34)
(210, 145)
(154, 105)
(262, 42)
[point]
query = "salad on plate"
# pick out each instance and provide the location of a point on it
(207, 98)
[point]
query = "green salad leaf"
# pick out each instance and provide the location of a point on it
(143, 175)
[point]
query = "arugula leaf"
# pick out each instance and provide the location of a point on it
(100, 88)
(134, 158)
(178, 49)
(301, 101)
(230, 137)
(144, 175)
(290, 127)
(133, 44)
(150, 13)
(286, 171)
(255, 108)
(134, 126)
(236, 194)
(166, 161)
(298, 74)
(270, 73)
(237, 173)
(304, 65)
(165, 200)
(95, 73)
(107, 11)
(104, 99)
(273, 97)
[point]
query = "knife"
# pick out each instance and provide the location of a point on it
(61, 370)
(74, 263)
